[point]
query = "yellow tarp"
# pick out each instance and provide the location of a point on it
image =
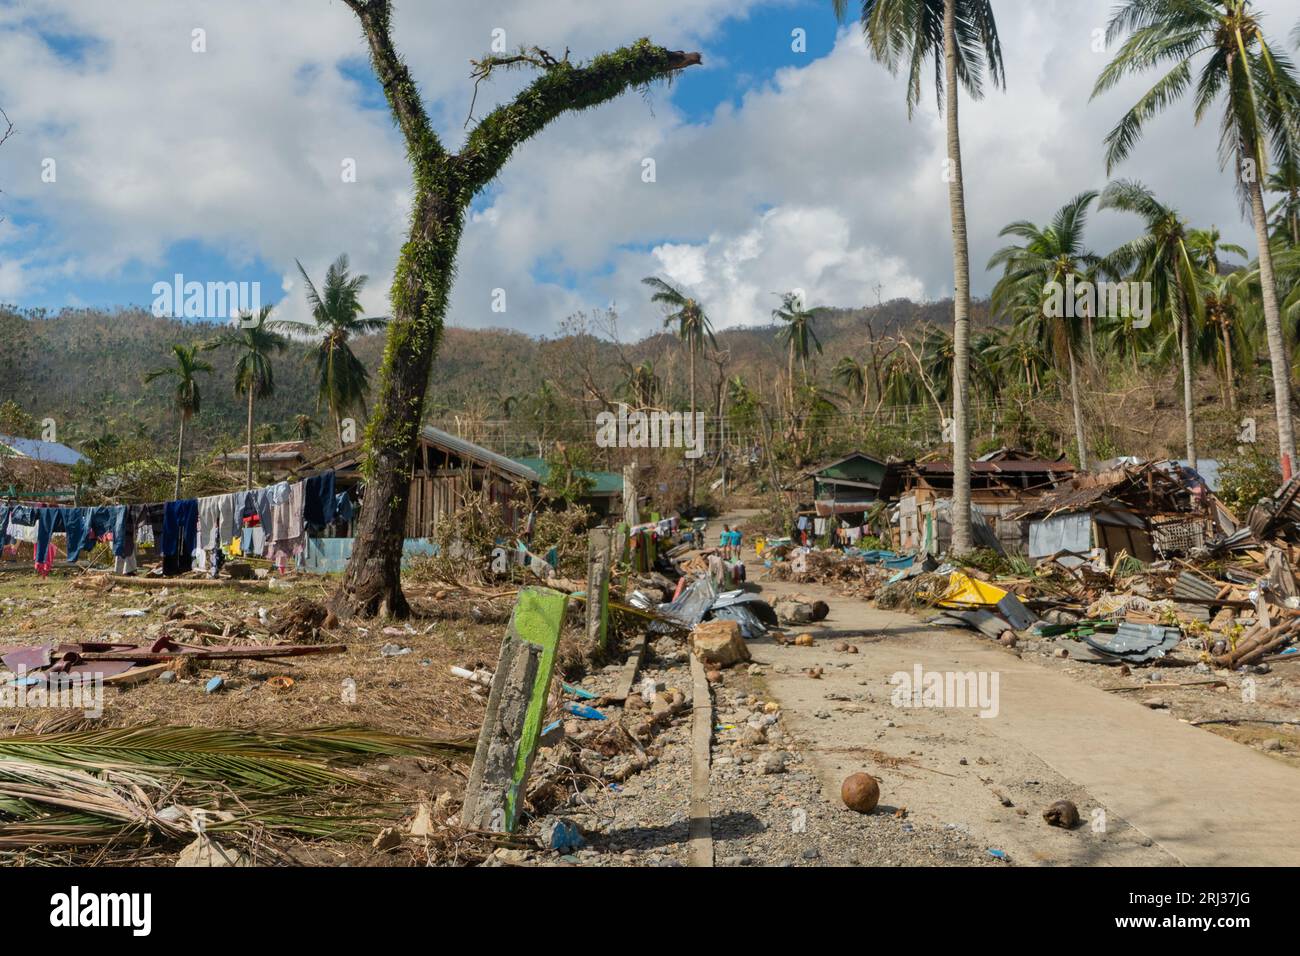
(963, 590)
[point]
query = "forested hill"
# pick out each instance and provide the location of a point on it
(85, 368)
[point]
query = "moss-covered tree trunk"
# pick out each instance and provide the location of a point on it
(445, 184)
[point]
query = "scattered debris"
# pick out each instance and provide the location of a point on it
(1063, 814)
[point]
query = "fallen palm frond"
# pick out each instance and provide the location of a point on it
(923, 590)
(266, 762)
(40, 803)
(94, 787)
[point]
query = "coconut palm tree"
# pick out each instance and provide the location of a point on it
(304, 426)
(254, 377)
(693, 328)
(798, 334)
(186, 396)
(337, 317)
(1223, 309)
(1284, 215)
(853, 375)
(961, 38)
(1162, 256)
(1257, 87)
(1037, 269)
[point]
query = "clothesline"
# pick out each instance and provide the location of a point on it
(272, 521)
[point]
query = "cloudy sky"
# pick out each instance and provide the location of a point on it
(775, 168)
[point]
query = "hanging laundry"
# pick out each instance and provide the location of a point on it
(180, 528)
(286, 536)
(318, 499)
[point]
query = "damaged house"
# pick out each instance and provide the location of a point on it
(1003, 484)
(1145, 509)
(448, 470)
(846, 488)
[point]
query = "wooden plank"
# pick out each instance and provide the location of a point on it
(538, 619)
(598, 562)
(700, 828)
(516, 707)
(137, 675)
(627, 677)
(492, 773)
(631, 514)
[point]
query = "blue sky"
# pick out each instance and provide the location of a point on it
(745, 53)
(776, 169)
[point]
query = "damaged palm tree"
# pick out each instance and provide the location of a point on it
(445, 185)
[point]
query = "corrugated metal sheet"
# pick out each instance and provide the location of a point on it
(467, 449)
(1138, 642)
(50, 451)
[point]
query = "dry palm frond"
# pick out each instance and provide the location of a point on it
(92, 787)
(263, 762)
(45, 804)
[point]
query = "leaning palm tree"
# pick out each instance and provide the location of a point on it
(187, 399)
(254, 378)
(1162, 256)
(693, 328)
(1038, 268)
(961, 37)
(337, 315)
(1258, 88)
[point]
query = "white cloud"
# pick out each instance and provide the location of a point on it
(815, 180)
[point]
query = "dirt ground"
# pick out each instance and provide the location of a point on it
(956, 789)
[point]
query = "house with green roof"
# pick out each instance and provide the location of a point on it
(605, 495)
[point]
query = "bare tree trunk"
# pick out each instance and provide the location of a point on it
(248, 476)
(1228, 368)
(1292, 192)
(1080, 442)
(961, 517)
(180, 457)
(1273, 323)
(1189, 416)
(690, 344)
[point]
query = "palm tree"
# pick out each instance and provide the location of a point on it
(962, 37)
(304, 427)
(1045, 258)
(337, 317)
(1284, 215)
(1163, 257)
(253, 375)
(1258, 87)
(186, 397)
(797, 333)
(854, 376)
(693, 327)
(1222, 308)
